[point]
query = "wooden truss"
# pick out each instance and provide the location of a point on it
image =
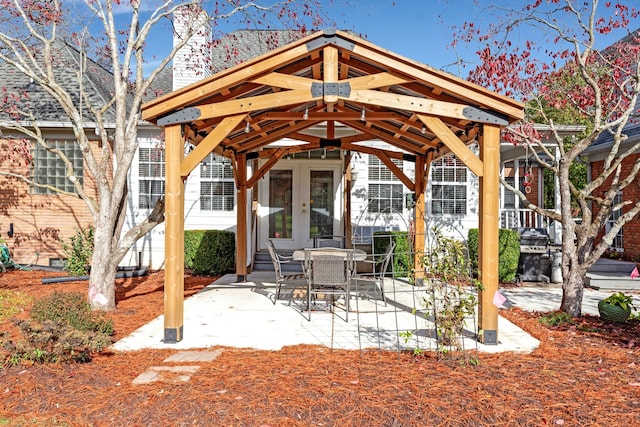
(331, 77)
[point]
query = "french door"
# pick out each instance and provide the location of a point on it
(300, 200)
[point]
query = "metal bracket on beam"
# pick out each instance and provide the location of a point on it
(318, 90)
(330, 37)
(183, 116)
(408, 157)
(327, 142)
(482, 116)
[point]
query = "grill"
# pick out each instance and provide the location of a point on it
(534, 243)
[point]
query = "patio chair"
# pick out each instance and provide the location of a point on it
(278, 260)
(379, 269)
(330, 276)
(329, 241)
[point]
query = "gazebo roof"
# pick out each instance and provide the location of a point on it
(334, 77)
(330, 77)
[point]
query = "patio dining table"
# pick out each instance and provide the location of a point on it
(358, 254)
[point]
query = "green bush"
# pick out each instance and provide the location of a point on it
(62, 328)
(78, 250)
(402, 254)
(72, 309)
(508, 255)
(210, 252)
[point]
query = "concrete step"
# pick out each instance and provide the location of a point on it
(262, 262)
(612, 275)
(604, 265)
(612, 281)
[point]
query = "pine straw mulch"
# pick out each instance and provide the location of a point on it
(586, 374)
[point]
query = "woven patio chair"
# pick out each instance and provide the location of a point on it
(330, 276)
(281, 277)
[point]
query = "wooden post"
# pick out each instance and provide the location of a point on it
(488, 233)
(346, 215)
(419, 226)
(241, 227)
(174, 237)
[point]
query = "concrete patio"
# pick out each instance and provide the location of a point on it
(228, 313)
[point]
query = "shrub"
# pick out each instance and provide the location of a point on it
(72, 309)
(556, 318)
(448, 300)
(210, 252)
(78, 250)
(63, 328)
(402, 254)
(508, 255)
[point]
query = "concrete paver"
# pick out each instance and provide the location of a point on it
(166, 373)
(194, 356)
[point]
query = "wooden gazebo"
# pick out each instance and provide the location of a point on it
(333, 77)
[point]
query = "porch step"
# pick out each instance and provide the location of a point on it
(614, 275)
(262, 262)
(611, 282)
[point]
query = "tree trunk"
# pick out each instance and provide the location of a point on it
(572, 291)
(104, 266)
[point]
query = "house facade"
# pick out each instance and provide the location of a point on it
(625, 245)
(302, 196)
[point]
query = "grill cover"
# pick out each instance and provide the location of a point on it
(538, 237)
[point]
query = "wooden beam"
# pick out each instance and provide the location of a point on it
(396, 170)
(330, 72)
(275, 135)
(372, 150)
(488, 233)
(174, 237)
(374, 81)
(336, 115)
(417, 139)
(266, 167)
(286, 81)
(241, 222)
(411, 103)
(209, 143)
(244, 72)
(473, 93)
(404, 145)
(254, 103)
(450, 139)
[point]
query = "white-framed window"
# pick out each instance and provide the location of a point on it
(151, 176)
(511, 200)
(48, 168)
(217, 187)
(449, 177)
(385, 189)
(617, 243)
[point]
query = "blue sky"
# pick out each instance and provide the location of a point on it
(419, 29)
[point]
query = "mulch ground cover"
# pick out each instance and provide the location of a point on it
(583, 374)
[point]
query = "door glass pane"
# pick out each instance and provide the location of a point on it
(280, 186)
(321, 204)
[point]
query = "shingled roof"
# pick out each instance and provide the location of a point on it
(242, 45)
(632, 129)
(97, 83)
